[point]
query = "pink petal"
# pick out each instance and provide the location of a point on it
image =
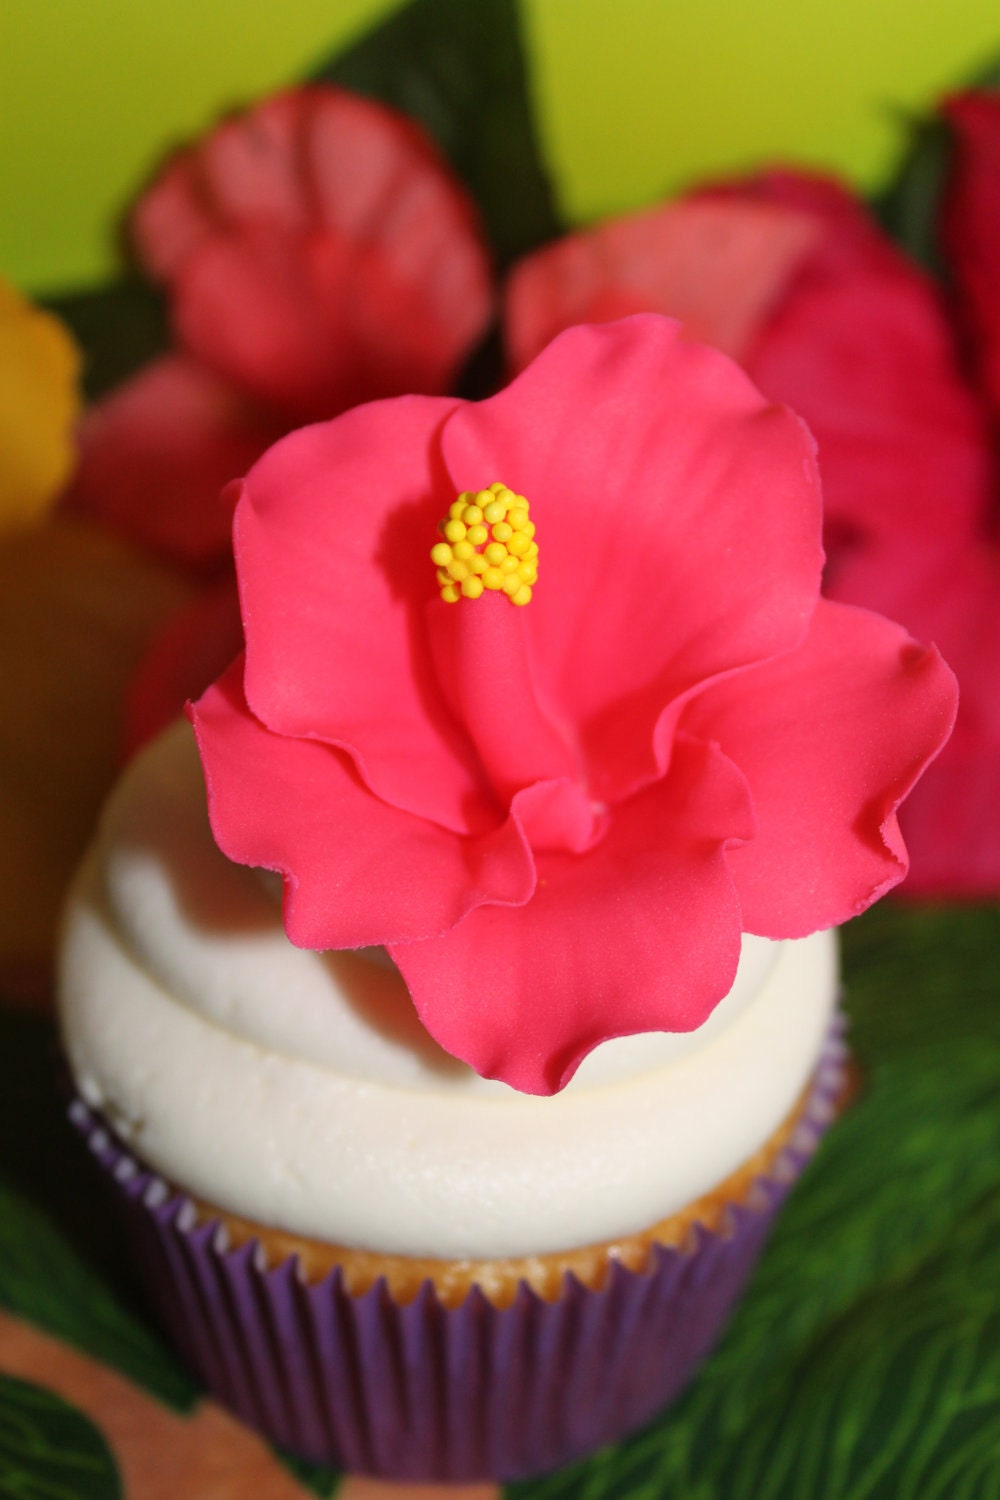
(172, 218)
(357, 871)
(952, 823)
(860, 348)
(482, 655)
(186, 655)
(640, 934)
(320, 253)
(678, 520)
(831, 738)
(717, 266)
(333, 536)
(972, 226)
(156, 454)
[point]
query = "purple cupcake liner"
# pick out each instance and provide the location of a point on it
(425, 1392)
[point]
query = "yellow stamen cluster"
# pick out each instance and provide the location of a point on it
(487, 542)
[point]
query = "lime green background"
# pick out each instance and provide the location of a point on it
(634, 96)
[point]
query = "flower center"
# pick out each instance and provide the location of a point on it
(488, 542)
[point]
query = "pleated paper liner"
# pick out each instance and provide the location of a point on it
(419, 1371)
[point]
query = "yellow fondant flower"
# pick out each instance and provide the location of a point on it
(39, 400)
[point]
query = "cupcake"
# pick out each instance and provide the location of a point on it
(451, 1057)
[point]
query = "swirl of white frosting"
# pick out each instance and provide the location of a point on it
(299, 1090)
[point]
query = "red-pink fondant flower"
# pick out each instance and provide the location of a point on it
(790, 274)
(559, 818)
(317, 252)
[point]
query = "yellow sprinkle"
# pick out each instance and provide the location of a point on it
(458, 570)
(518, 518)
(443, 578)
(472, 587)
(441, 554)
(450, 594)
(464, 550)
(493, 578)
(509, 564)
(455, 531)
(495, 552)
(472, 515)
(517, 546)
(502, 531)
(483, 498)
(478, 535)
(532, 550)
(477, 563)
(506, 496)
(527, 572)
(495, 511)
(523, 595)
(512, 583)
(529, 529)
(497, 486)
(456, 508)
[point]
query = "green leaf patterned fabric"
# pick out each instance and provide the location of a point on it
(50, 1451)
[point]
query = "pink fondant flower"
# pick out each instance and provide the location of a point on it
(317, 252)
(790, 274)
(559, 818)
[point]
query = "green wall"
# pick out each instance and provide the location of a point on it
(635, 96)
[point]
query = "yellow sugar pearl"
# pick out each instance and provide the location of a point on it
(455, 531)
(493, 578)
(450, 594)
(523, 595)
(441, 554)
(527, 572)
(495, 552)
(464, 550)
(477, 564)
(512, 582)
(456, 507)
(482, 498)
(517, 517)
(502, 531)
(496, 487)
(478, 535)
(472, 515)
(487, 543)
(509, 564)
(472, 587)
(443, 578)
(495, 511)
(517, 546)
(532, 550)
(529, 529)
(458, 570)
(506, 496)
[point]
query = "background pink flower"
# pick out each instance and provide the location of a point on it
(558, 819)
(835, 321)
(317, 252)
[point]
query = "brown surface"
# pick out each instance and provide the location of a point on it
(499, 1279)
(77, 608)
(206, 1455)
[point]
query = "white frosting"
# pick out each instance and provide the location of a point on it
(299, 1090)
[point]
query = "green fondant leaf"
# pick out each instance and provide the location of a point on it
(459, 68)
(863, 1362)
(43, 1281)
(119, 326)
(318, 1479)
(49, 1450)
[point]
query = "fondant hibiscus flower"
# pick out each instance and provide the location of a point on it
(559, 818)
(790, 274)
(317, 252)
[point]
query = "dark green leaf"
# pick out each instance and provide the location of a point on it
(43, 1281)
(49, 1450)
(863, 1362)
(119, 327)
(459, 68)
(318, 1479)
